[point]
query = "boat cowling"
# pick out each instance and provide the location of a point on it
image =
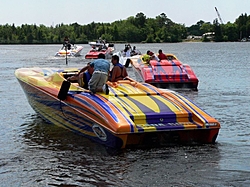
(62, 95)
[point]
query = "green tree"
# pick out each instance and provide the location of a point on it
(241, 22)
(140, 20)
(206, 27)
(136, 28)
(218, 31)
(196, 29)
(231, 32)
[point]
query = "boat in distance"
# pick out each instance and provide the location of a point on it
(96, 48)
(166, 73)
(72, 51)
(132, 115)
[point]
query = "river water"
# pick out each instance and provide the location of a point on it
(34, 153)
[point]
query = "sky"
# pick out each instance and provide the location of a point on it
(83, 12)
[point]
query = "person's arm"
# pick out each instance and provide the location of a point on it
(124, 73)
(84, 69)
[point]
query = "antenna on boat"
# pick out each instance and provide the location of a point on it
(66, 43)
(66, 55)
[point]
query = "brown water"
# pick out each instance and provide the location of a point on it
(34, 153)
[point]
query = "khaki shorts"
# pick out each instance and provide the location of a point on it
(97, 81)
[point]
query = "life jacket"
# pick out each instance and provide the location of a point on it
(86, 77)
(121, 66)
(146, 58)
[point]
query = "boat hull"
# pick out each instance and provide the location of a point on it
(93, 54)
(74, 52)
(59, 113)
(100, 48)
(121, 119)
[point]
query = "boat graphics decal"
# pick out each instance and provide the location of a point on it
(193, 108)
(130, 109)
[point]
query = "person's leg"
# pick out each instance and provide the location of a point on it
(94, 82)
(102, 81)
(102, 86)
(80, 79)
(105, 89)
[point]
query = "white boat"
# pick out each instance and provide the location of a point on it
(126, 61)
(73, 50)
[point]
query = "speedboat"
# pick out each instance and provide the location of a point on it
(97, 48)
(132, 115)
(167, 73)
(72, 50)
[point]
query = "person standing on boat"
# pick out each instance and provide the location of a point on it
(161, 55)
(66, 40)
(118, 72)
(67, 43)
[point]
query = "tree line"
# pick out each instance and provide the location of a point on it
(134, 29)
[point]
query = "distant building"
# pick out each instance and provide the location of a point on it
(208, 35)
(245, 39)
(193, 37)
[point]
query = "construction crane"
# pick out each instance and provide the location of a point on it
(219, 15)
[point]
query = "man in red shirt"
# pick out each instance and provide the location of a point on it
(161, 55)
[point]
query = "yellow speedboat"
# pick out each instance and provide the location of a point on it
(132, 114)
